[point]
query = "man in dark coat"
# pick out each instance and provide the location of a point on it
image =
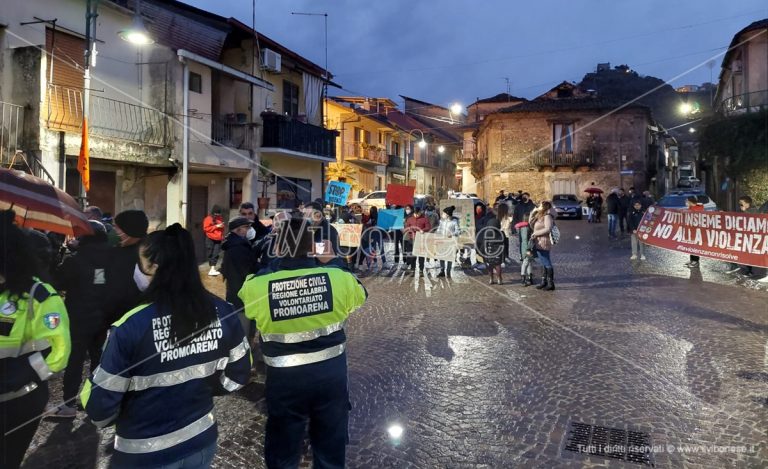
(237, 264)
(124, 294)
(83, 276)
(624, 208)
(612, 208)
(523, 209)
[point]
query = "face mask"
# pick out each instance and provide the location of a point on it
(251, 234)
(445, 216)
(142, 280)
(408, 212)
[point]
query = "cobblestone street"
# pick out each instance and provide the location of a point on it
(492, 376)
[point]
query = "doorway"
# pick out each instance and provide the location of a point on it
(197, 211)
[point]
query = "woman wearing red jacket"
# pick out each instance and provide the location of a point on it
(414, 224)
(213, 226)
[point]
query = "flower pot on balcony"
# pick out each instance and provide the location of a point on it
(263, 203)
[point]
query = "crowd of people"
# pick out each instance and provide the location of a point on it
(160, 345)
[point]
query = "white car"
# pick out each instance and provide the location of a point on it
(374, 199)
(688, 181)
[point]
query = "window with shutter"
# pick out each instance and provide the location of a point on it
(63, 106)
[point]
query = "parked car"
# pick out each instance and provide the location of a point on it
(567, 206)
(688, 181)
(676, 199)
(374, 199)
(475, 200)
(420, 201)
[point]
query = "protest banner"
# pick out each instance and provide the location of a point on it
(435, 246)
(741, 238)
(337, 192)
(391, 219)
(465, 213)
(349, 234)
(399, 195)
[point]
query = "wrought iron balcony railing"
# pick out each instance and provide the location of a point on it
(396, 161)
(11, 130)
(747, 102)
(229, 130)
(555, 159)
(290, 134)
(109, 118)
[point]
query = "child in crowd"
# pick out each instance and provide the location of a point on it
(633, 222)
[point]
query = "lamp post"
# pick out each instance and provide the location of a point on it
(422, 144)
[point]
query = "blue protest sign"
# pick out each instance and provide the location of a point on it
(337, 192)
(391, 219)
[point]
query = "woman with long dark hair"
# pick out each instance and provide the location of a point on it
(33, 319)
(174, 352)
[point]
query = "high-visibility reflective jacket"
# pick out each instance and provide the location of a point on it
(34, 339)
(301, 311)
(158, 394)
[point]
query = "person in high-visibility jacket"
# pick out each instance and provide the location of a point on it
(164, 361)
(34, 342)
(301, 311)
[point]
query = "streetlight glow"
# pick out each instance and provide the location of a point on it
(456, 108)
(691, 130)
(422, 144)
(686, 108)
(137, 33)
(441, 149)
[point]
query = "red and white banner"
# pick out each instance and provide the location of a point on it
(741, 238)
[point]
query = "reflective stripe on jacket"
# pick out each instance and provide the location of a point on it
(160, 394)
(32, 325)
(301, 310)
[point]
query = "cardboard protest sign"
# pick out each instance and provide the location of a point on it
(435, 246)
(337, 192)
(465, 212)
(349, 234)
(399, 195)
(391, 219)
(741, 238)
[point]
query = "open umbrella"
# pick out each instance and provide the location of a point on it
(40, 205)
(593, 190)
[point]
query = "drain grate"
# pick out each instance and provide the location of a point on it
(614, 443)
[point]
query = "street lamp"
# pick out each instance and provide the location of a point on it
(137, 33)
(422, 144)
(455, 110)
(441, 149)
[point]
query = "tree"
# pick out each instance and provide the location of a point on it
(343, 172)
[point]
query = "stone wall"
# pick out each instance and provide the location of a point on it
(618, 141)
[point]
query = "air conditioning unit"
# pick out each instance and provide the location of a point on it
(270, 60)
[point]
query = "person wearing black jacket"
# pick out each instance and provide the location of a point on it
(612, 208)
(83, 277)
(634, 218)
(124, 294)
(239, 261)
(520, 214)
(624, 207)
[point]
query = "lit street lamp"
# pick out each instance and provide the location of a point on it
(422, 144)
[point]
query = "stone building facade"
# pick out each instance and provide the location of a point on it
(563, 142)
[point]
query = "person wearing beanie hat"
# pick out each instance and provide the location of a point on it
(131, 226)
(239, 261)
(123, 293)
(449, 227)
(213, 227)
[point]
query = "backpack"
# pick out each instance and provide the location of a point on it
(554, 235)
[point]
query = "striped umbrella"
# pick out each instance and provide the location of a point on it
(40, 205)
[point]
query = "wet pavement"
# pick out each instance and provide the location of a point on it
(492, 376)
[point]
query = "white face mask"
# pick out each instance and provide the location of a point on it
(445, 216)
(251, 234)
(408, 212)
(142, 280)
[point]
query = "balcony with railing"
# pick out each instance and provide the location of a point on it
(109, 118)
(283, 133)
(396, 161)
(230, 130)
(11, 130)
(744, 103)
(553, 159)
(363, 153)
